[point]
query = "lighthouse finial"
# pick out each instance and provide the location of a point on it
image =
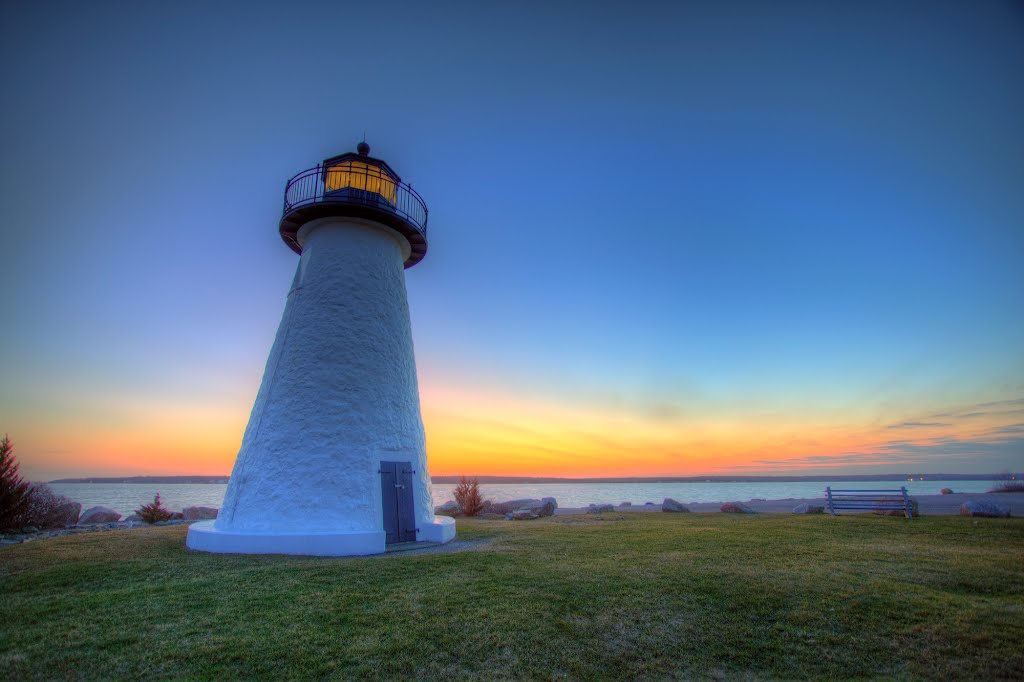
(362, 147)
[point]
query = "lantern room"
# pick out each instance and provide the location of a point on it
(360, 176)
(355, 185)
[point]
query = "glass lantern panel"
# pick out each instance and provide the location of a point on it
(360, 175)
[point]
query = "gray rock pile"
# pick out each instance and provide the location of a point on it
(99, 515)
(513, 510)
(449, 508)
(984, 508)
(199, 513)
(525, 510)
(67, 514)
(670, 505)
(600, 508)
(735, 508)
(808, 509)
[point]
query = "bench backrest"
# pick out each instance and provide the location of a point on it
(868, 500)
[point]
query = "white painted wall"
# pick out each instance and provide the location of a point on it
(339, 395)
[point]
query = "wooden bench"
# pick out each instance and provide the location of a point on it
(868, 500)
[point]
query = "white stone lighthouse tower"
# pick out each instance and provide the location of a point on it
(333, 461)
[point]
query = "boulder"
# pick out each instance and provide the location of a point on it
(513, 505)
(670, 505)
(550, 505)
(946, 491)
(914, 513)
(600, 509)
(99, 515)
(808, 509)
(492, 517)
(736, 508)
(626, 504)
(984, 508)
(449, 508)
(199, 513)
(134, 519)
(524, 515)
(67, 513)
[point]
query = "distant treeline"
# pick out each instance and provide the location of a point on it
(728, 479)
(146, 479)
(537, 479)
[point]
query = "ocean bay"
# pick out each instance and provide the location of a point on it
(127, 497)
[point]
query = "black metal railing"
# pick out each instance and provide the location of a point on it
(358, 183)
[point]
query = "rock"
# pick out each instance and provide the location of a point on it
(66, 514)
(451, 507)
(808, 509)
(946, 491)
(914, 513)
(626, 504)
(29, 529)
(670, 505)
(492, 517)
(512, 505)
(984, 508)
(198, 513)
(600, 509)
(99, 515)
(736, 508)
(524, 515)
(648, 504)
(134, 518)
(542, 507)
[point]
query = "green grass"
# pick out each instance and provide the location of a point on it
(653, 595)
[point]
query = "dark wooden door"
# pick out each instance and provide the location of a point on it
(396, 498)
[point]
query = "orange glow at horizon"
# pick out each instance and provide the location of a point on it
(477, 433)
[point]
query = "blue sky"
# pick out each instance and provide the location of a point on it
(712, 215)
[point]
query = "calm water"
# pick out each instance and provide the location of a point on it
(126, 497)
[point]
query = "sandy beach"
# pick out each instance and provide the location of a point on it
(928, 504)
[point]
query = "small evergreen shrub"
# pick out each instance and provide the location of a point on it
(467, 494)
(155, 511)
(14, 490)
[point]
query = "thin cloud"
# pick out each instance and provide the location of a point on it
(912, 425)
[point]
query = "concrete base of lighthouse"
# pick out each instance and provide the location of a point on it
(204, 537)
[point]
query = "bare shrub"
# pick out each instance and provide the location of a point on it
(467, 494)
(1007, 482)
(155, 511)
(14, 490)
(47, 509)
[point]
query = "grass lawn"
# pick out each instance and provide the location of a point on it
(653, 595)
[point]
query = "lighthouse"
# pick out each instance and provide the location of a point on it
(333, 461)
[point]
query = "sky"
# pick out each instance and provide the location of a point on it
(665, 238)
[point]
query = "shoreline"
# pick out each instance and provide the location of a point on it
(928, 505)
